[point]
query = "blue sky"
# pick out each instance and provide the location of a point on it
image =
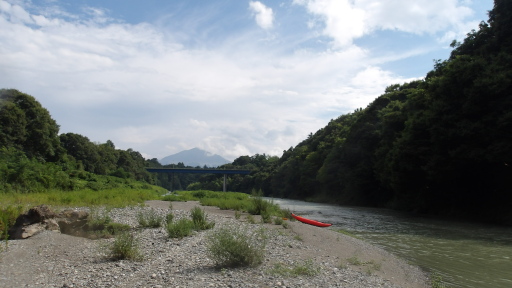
(231, 77)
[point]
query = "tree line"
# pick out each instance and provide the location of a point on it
(440, 145)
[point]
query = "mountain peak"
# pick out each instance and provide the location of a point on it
(195, 157)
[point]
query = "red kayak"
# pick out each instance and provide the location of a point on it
(311, 222)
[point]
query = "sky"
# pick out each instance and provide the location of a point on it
(232, 77)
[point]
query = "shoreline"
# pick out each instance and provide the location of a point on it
(51, 259)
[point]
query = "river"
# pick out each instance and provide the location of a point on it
(464, 254)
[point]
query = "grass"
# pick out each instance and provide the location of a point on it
(184, 227)
(100, 225)
(371, 266)
(306, 268)
(235, 247)
(125, 246)
(242, 202)
(149, 219)
(115, 197)
(180, 229)
(200, 220)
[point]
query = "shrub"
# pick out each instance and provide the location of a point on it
(124, 246)
(238, 214)
(149, 218)
(199, 218)
(234, 247)
(181, 228)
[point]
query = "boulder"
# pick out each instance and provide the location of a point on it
(42, 218)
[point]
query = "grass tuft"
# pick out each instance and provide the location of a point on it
(200, 220)
(125, 246)
(180, 229)
(149, 219)
(234, 247)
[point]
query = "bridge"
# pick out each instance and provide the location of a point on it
(199, 171)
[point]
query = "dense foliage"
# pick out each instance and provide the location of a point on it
(34, 158)
(441, 145)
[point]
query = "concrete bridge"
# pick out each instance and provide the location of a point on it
(200, 171)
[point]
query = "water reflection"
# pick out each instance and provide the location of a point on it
(464, 254)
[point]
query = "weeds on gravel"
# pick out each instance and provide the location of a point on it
(100, 225)
(149, 219)
(306, 268)
(180, 229)
(125, 246)
(199, 218)
(371, 266)
(236, 247)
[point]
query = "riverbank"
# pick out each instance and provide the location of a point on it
(51, 259)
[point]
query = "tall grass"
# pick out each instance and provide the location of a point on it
(115, 197)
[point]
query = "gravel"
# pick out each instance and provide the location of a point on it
(51, 259)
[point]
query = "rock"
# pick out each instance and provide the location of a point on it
(31, 223)
(72, 222)
(42, 218)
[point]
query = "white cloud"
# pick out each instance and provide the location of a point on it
(136, 85)
(264, 14)
(346, 20)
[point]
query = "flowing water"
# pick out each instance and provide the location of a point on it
(463, 254)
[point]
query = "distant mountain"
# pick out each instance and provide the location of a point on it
(195, 157)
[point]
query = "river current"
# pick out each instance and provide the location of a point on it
(464, 254)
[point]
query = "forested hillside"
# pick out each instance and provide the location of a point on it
(441, 145)
(34, 157)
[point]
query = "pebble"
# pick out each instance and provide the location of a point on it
(182, 263)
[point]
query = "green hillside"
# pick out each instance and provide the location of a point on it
(440, 145)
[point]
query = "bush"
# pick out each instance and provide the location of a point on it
(181, 228)
(233, 247)
(124, 246)
(199, 218)
(149, 219)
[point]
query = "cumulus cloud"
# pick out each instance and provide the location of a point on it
(263, 14)
(346, 20)
(135, 84)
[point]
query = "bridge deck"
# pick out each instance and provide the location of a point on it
(198, 171)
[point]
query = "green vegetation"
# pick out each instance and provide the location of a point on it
(100, 225)
(150, 219)
(371, 266)
(307, 268)
(180, 229)
(200, 220)
(184, 227)
(125, 246)
(234, 247)
(440, 145)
